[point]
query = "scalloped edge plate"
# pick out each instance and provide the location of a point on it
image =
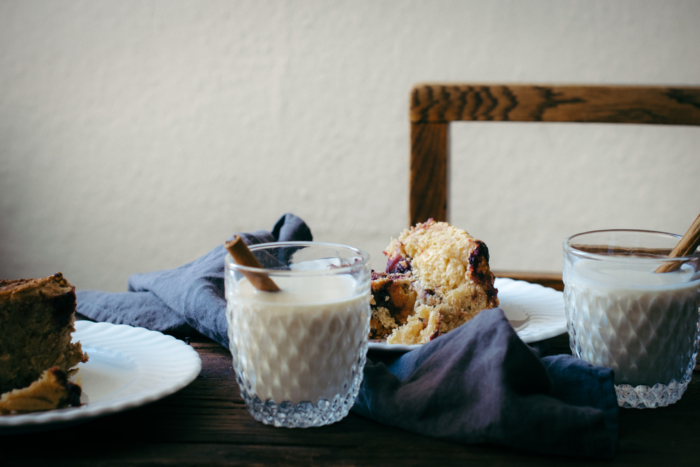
(128, 367)
(535, 312)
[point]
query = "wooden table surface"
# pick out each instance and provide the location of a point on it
(207, 423)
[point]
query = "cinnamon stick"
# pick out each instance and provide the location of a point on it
(242, 256)
(686, 246)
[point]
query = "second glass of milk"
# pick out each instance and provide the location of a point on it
(299, 353)
(623, 315)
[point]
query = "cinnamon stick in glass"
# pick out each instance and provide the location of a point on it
(685, 247)
(242, 256)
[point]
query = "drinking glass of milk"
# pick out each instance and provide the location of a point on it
(623, 314)
(299, 353)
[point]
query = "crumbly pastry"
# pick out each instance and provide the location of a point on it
(392, 302)
(37, 318)
(51, 391)
(437, 279)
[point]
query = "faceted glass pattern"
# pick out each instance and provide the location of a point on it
(315, 373)
(300, 366)
(624, 315)
(615, 332)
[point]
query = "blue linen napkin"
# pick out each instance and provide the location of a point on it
(477, 384)
(480, 383)
(176, 301)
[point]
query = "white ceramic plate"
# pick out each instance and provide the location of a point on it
(534, 311)
(128, 367)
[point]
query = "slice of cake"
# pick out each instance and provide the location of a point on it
(36, 321)
(440, 279)
(51, 391)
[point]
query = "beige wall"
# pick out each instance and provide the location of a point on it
(137, 135)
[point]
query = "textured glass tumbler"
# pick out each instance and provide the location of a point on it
(623, 314)
(299, 353)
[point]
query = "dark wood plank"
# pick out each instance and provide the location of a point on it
(428, 174)
(207, 423)
(444, 102)
(375, 453)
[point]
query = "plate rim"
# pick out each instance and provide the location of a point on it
(189, 365)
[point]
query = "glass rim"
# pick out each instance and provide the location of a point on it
(231, 264)
(569, 248)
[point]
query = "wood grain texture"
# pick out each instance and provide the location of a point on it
(428, 175)
(439, 103)
(434, 106)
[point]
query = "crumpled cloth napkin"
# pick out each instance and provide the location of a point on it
(477, 384)
(480, 383)
(176, 301)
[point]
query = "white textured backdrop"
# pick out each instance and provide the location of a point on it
(137, 135)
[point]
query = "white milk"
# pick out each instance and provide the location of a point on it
(302, 343)
(627, 317)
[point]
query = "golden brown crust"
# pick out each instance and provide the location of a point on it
(20, 289)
